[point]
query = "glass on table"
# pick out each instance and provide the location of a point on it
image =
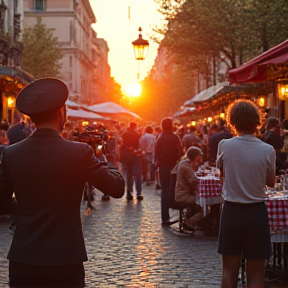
(217, 173)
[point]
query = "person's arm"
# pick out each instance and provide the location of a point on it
(179, 147)
(6, 190)
(157, 150)
(270, 176)
(103, 176)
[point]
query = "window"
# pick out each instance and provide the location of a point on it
(39, 5)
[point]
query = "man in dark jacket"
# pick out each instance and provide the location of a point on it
(47, 174)
(131, 160)
(215, 139)
(273, 137)
(18, 132)
(168, 151)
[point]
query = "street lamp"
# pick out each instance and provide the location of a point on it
(141, 47)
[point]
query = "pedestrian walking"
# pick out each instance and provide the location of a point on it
(168, 151)
(131, 159)
(147, 147)
(248, 164)
(47, 174)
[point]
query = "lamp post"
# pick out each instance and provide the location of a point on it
(141, 47)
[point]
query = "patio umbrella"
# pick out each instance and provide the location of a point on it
(81, 114)
(111, 108)
(71, 104)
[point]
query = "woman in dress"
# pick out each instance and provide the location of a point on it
(247, 164)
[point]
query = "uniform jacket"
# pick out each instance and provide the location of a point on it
(48, 173)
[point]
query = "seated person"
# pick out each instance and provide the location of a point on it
(186, 184)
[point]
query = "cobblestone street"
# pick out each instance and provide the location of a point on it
(128, 247)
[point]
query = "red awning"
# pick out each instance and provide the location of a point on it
(255, 69)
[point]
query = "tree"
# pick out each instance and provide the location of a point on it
(114, 93)
(237, 29)
(200, 35)
(42, 51)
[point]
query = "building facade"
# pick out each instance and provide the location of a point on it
(12, 77)
(71, 22)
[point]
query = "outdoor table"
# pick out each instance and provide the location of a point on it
(208, 192)
(277, 206)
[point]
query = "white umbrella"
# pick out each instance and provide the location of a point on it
(81, 114)
(111, 108)
(70, 103)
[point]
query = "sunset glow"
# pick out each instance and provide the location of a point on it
(118, 22)
(134, 90)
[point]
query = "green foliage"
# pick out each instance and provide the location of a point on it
(114, 93)
(201, 34)
(42, 51)
(237, 29)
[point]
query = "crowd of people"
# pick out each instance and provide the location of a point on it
(115, 158)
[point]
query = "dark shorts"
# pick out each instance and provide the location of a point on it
(23, 275)
(244, 230)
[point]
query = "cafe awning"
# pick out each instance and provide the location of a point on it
(13, 79)
(186, 111)
(205, 94)
(16, 73)
(255, 70)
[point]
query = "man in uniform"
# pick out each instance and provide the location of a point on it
(47, 174)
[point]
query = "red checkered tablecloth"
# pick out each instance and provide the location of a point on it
(278, 215)
(209, 187)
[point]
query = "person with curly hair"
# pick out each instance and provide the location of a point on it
(247, 164)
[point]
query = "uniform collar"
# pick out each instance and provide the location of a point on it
(45, 132)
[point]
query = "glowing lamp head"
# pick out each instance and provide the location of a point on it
(283, 89)
(11, 102)
(140, 46)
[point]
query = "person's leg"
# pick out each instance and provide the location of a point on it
(22, 275)
(257, 244)
(255, 272)
(165, 175)
(149, 168)
(136, 170)
(129, 179)
(230, 269)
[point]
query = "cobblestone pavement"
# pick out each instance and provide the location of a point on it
(128, 247)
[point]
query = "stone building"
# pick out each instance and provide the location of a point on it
(12, 77)
(84, 64)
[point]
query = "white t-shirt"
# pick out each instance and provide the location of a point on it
(147, 142)
(245, 161)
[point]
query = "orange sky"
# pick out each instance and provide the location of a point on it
(113, 24)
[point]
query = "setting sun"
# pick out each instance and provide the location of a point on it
(134, 90)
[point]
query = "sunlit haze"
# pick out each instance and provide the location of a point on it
(134, 90)
(113, 24)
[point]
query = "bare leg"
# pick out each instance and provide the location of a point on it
(256, 273)
(230, 270)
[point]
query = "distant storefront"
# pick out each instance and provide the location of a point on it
(12, 80)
